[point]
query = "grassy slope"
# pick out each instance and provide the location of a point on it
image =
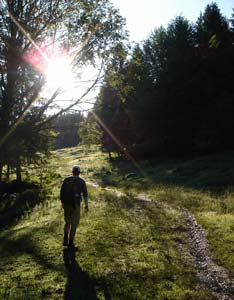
(126, 251)
(204, 185)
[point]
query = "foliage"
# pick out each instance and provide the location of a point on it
(172, 95)
(89, 131)
(66, 128)
(30, 31)
(212, 28)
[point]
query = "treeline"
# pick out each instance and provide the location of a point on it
(174, 94)
(66, 128)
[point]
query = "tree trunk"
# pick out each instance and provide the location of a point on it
(8, 172)
(1, 161)
(18, 169)
(1, 167)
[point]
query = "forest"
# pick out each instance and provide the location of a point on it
(173, 93)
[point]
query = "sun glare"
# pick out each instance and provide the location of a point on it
(54, 61)
(59, 75)
(62, 86)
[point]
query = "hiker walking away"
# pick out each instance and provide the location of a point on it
(70, 196)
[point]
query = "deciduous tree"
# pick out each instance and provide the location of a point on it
(29, 33)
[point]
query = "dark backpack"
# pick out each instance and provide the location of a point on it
(69, 191)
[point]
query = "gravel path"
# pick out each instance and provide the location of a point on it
(214, 276)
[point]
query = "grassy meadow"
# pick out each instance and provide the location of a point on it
(127, 249)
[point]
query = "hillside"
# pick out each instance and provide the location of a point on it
(128, 248)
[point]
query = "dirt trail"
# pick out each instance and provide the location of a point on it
(214, 276)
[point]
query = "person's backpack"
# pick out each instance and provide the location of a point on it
(70, 190)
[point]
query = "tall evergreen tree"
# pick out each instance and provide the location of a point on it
(212, 28)
(215, 74)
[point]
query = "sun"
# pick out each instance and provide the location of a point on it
(53, 61)
(59, 75)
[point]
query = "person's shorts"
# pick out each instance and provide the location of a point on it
(71, 213)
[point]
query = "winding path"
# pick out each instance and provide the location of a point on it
(215, 277)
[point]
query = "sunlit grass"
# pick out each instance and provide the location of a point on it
(120, 244)
(220, 230)
(126, 251)
(203, 185)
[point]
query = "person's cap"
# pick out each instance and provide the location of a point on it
(76, 169)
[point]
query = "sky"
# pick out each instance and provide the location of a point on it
(143, 16)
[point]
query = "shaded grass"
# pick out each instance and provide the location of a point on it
(21, 198)
(14, 206)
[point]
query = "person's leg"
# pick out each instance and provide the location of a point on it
(67, 228)
(75, 222)
(68, 220)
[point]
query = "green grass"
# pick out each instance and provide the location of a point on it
(126, 250)
(204, 185)
(220, 228)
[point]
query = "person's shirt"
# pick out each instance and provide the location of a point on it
(72, 190)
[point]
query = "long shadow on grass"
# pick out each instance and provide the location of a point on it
(12, 248)
(15, 206)
(79, 283)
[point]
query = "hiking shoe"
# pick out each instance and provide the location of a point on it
(65, 239)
